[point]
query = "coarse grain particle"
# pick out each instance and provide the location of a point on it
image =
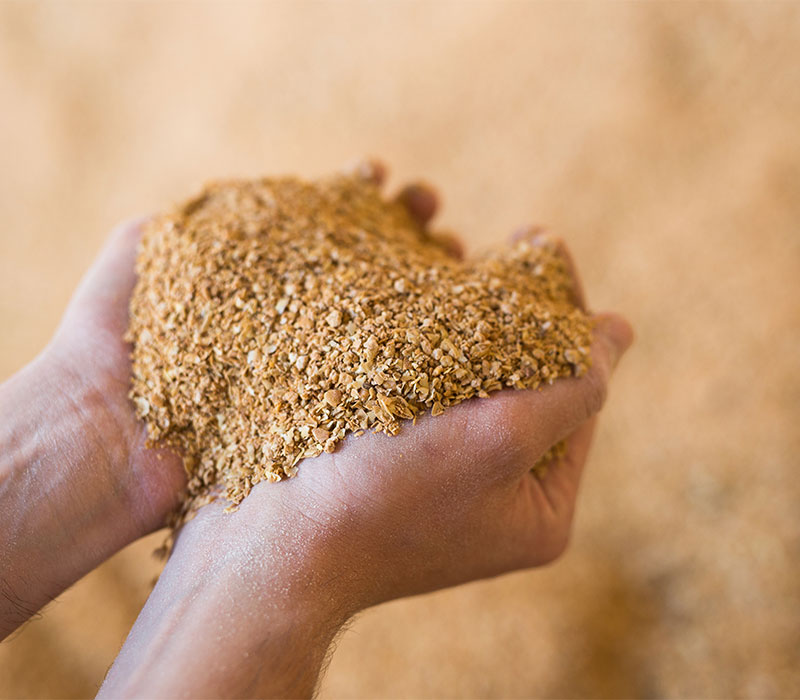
(333, 397)
(273, 317)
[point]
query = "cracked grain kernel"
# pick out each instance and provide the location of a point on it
(320, 434)
(271, 318)
(333, 397)
(334, 318)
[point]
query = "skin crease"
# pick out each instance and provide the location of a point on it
(250, 601)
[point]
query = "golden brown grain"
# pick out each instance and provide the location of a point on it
(273, 317)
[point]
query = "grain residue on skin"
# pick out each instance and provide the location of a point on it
(273, 317)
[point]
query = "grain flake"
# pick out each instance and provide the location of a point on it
(273, 317)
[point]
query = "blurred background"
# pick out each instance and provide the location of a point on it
(661, 140)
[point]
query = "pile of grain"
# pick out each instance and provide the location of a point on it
(273, 317)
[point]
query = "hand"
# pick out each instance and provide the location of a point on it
(89, 358)
(76, 480)
(250, 600)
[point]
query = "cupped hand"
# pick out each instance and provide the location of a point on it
(251, 599)
(77, 481)
(450, 499)
(89, 360)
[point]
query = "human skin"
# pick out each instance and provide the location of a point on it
(250, 601)
(76, 481)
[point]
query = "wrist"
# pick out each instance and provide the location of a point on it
(278, 558)
(240, 609)
(61, 504)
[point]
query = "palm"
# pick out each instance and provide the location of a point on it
(456, 488)
(495, 440)
(91, 349)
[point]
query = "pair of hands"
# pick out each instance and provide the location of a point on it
(250, 601)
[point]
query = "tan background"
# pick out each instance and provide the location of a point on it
(661, 140)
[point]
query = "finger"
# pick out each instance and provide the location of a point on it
(572, 401)
(450, 242)
(555, 412)
(105, 290)
(420, 200)
(539, 235)
(562, 476)
(578, 294)
(559, 484)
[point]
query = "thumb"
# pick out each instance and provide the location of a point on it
(581, 398)
(558, 410)
(103, 294)
(615, 334)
